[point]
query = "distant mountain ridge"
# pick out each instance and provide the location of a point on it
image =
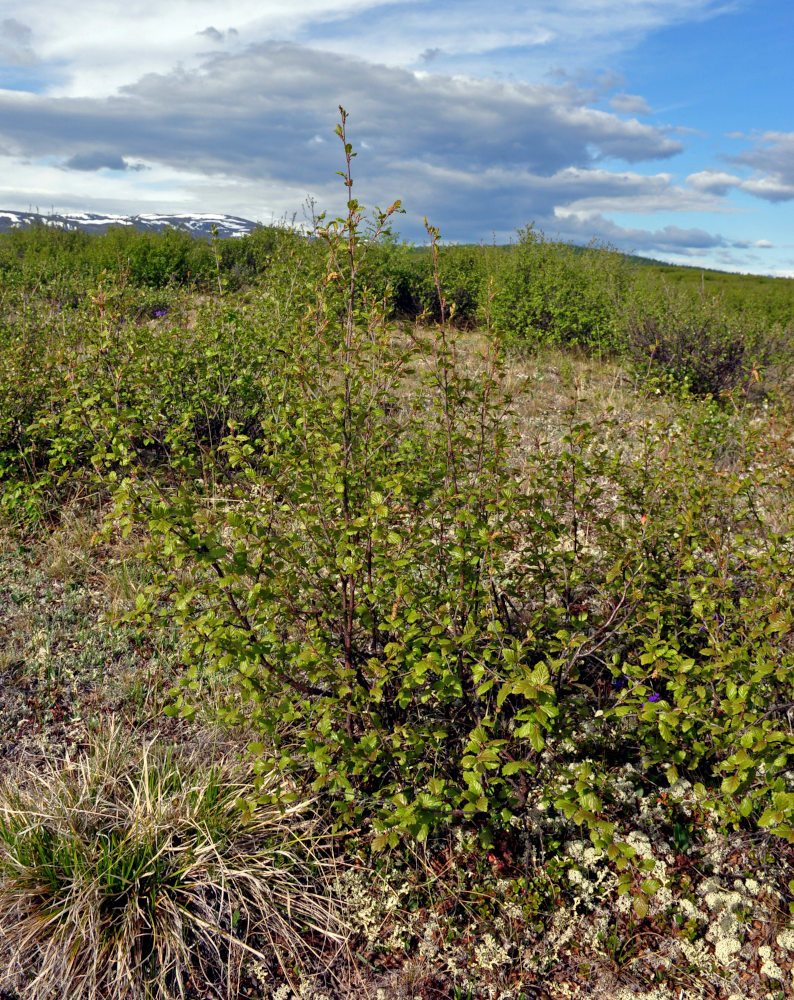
(197, 225)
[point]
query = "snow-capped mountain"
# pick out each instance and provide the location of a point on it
(197, 225)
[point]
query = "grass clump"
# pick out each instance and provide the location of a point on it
(132, 872)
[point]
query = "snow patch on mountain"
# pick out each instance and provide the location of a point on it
(198, 224)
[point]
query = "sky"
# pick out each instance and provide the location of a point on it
(661, 127)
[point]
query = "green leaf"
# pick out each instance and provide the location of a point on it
(770, 817)
(531, 730)
(566, 806)
(730, 784)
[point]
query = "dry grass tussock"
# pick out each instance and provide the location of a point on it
(129, 871)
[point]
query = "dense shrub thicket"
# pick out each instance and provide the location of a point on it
(64, 263)
(427, 619)
(769, 300)
(551, 293)
(706, 332)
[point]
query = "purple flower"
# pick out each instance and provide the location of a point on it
(618, 683)
(654, 697)
(161, 312)
(716, 617)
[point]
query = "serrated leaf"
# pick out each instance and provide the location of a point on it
(380, 842)
(770, 817)
(532, 730)
(566, 806)
(505, 690)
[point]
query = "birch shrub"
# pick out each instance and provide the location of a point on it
(426, 624)
(355, 573)
(698, 344)
(555, 294)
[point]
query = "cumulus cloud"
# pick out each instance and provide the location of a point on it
(717, 182)
(476, 154)
(667, 239)
(15, 43)
(215, 35)
(100, 161)
(589, 193)
(772, 158)
(629, 104)
(212, 33)
(772, 153)
(754, 244)
(119, 41)
(772, 188)
(239, 111)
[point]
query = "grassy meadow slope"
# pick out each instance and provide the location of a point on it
(409, 623)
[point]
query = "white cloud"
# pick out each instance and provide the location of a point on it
(665, 240)
(630, 104)
(772, 188)
(771, 156)
(754, 244)
(716, 181)
(99, 45)
(527, 39)
(214, 35)
(16, 43)
(240, 113)
(247, 127)
(773, 153)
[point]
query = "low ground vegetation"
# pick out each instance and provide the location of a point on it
(474, 564)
